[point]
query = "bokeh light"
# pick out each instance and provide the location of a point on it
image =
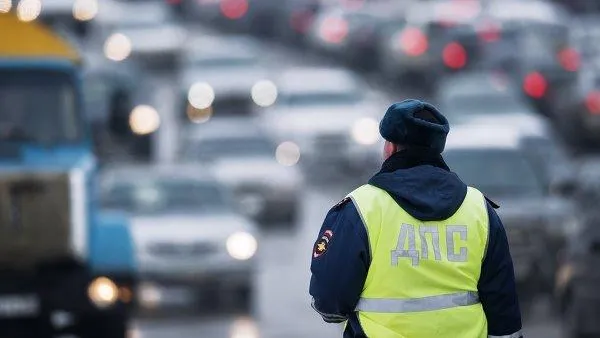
(366, 131)
(201, 95)
(144, 120)
(5, 6)
(334, 29)
(199, 115)
(117, 47)
(244, 328)
(287, 153)
(29, 10)
(264, 93)
(85, 10)
(234, 9)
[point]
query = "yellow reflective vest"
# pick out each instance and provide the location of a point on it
(422, 281)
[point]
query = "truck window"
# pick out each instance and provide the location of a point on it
(38, 106)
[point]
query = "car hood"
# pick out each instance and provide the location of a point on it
(229, 80)
(185, 228)
(249, 170)
(316, 120)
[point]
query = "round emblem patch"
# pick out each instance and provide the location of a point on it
(322, 244)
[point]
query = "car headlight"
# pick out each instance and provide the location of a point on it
(244, 328)
(264, 93)
(241, 246)
(103, 292)
(365, 131)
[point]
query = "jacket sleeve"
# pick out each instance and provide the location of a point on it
(339, 272)
(497, 289)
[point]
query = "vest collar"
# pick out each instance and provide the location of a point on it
(413, 157)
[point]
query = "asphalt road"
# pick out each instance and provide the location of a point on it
(282, 304)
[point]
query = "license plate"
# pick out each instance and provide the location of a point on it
(12, 306)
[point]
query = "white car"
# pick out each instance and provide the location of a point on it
(186, 233)
(263, 177)
(330, 115)
(466, 96)
(142, 30)
(221, 73)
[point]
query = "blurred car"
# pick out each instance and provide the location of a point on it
(186, 231)
(369, 33)
(493, 158)
(578, 277)
(114, 95)
(245, 159)
(433, 42)
(580, 121)
(467, 95)
(219, 74)
(144, 31)
(294, 18)
(329, 115)
(531, 42)
(71, 15)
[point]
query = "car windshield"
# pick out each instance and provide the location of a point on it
(496, 172)
(482, 104)
(222, 148)
(321, 98)
(38, 106)
(157, 195)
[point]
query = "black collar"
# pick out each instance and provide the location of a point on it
(413, 157)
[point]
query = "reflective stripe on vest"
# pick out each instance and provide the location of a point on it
(431, 303)
(423, 276)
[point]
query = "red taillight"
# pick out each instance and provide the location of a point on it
(569, 59)
(535, 85)
(334, 30)
(234, 9)
(413, 42)
(454, 55)
(592, 102)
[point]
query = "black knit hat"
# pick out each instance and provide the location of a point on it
(415, 123)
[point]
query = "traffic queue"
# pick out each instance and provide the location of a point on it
(518, 79)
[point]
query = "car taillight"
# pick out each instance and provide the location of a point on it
(592, 102)
(535, 85)
(413, 42)
(234, 9)
(569, 59)
(454, 55)
(334, 30)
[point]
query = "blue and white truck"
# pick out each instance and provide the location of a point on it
(66, 267)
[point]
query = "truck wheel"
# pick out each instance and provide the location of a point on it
(104, 326)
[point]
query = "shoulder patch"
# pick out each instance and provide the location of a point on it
(341, 203)
(322, 244)
(492, 203)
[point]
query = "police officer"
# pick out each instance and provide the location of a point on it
(415, 253)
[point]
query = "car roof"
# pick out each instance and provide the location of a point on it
(311, 79)
(532, 10)
(472, 83)
(177, 171)
(215, 46)
(443, 10)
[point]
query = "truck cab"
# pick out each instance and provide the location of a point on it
(66, 267)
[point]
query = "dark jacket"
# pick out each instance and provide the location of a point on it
(423, 185)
